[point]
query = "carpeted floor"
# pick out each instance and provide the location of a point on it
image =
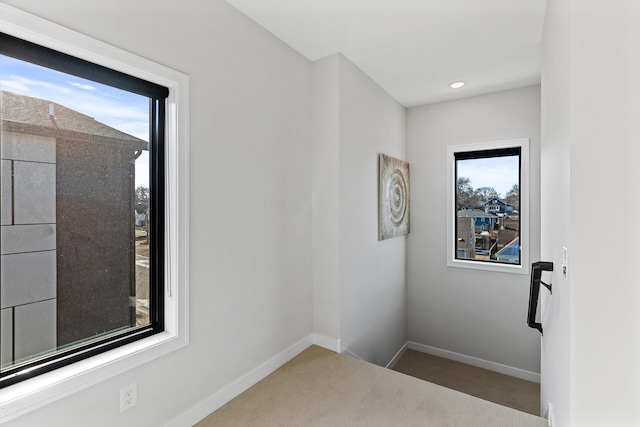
(488, 385)
(322, 388)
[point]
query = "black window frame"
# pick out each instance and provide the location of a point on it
(486, 154)
(40, 55)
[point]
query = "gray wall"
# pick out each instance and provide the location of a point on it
(590, 152)
(372, 272)
(250, 212)
(555, 210)
(359, 282)
(326, 199)
(251, 261)
(475, 313)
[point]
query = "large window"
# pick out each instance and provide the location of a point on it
(94, 208)
(82, 208)
(488, 207)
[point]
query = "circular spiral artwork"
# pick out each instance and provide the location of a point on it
(393, 209)
(397, 196)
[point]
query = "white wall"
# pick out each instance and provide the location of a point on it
(555, 211)
(589, 55)
(250, 176)
(252, 157)
(372, 272)
(359, 282)
(326, 199)
(474, 313)
(605, 292)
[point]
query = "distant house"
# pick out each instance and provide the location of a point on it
(67, 215)
(465, 238)
(498, 207)
(141, 217)
(483, 221)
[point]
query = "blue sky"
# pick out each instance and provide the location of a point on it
(119, 109)
(500, 173)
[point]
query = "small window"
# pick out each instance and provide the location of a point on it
(488, 220)
(82, 209)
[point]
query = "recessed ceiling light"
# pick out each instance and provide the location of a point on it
(457, 85)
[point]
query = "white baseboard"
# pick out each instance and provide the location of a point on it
(332, 344)
(218, 399)
(474, 361)
(397, 357)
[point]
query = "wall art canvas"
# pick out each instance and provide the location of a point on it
(393, 204)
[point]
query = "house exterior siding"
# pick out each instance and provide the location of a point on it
(68, 243)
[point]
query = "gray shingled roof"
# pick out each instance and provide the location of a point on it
(25, 110)
(495, 202)
(475, 213)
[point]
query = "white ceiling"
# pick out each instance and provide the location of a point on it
(415, 48)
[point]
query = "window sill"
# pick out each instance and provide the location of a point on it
(31, 394)
(489, 266)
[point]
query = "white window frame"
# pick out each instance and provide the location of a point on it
(524, 266)
(25, 396)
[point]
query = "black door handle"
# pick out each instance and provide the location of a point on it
(534, 292)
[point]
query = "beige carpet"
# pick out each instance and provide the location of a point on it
(322, 388)
(488, 385)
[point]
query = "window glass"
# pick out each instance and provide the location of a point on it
(487, 206)
(78, 203)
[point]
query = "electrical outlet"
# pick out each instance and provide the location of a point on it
(128, 397)
(565, 263)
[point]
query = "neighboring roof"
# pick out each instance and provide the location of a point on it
(496, 202)
(29, 113)
(511, 250)
(464, 231)
(475, 213)
(506, 235)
